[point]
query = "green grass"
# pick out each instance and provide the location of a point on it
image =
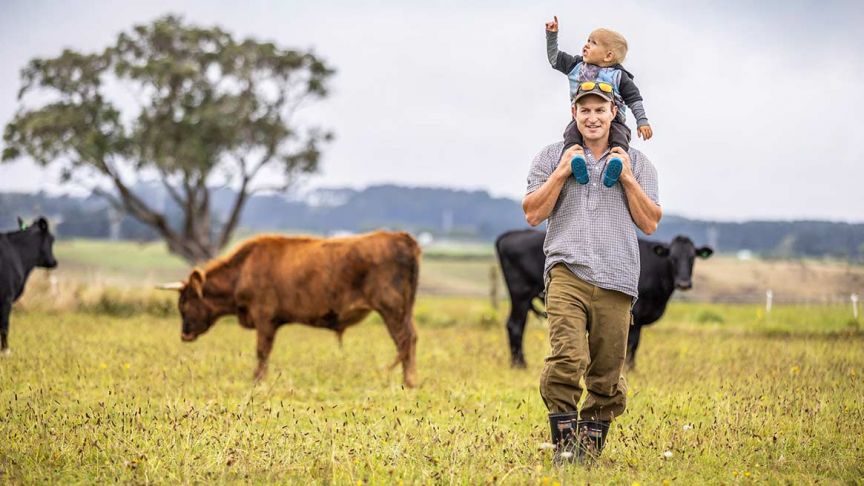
(123, 261)
(463, 251)
(90, 398)
(782, 320)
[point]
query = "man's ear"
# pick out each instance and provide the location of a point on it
(661, 249)
(196, 281)
(704, 252)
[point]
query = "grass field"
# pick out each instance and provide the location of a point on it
(99, 389)
(90, 398)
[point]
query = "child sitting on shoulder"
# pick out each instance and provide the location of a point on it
(600, 63)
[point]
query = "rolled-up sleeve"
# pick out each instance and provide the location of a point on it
(646, 175)
(542, 166)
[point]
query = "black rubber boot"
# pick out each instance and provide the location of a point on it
(592, 438)
(564, 436)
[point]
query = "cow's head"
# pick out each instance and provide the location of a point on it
(40, 237)
(681, 254)
(198, 315)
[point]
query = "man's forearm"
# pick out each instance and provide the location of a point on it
(645, 213)
(539, 204)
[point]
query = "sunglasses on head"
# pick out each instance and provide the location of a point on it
(589, 85)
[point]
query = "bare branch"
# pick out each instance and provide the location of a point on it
(113, 201)
(172, 191)
(236, 210)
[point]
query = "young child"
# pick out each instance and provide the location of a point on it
(600, 62)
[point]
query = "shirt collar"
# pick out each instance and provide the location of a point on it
(590, 156)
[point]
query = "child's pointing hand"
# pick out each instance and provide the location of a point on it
(552, 26)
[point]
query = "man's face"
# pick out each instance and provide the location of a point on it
(593, 117)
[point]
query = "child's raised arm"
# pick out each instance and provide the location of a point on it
(560, 60)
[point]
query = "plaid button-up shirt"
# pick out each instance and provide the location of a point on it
(590, 229)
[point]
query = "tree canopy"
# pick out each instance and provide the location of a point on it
(191, 105)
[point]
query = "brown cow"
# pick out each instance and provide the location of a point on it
(332, 283)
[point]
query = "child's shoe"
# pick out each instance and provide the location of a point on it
(613, 171)
(580, 170)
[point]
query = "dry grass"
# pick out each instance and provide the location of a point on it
(727, 278)
(90, 398)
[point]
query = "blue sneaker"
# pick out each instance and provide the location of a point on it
(613, 171)
(580, 170)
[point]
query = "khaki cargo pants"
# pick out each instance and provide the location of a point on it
(588, 333)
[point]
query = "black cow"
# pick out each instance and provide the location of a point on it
(20, 252)
(664, 267)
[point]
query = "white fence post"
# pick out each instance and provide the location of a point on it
(769, 300)
(854, 299)
(55, 288)
(493, 286)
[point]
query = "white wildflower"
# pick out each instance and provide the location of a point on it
(547, 445)
(667, 454)
(566, 455)
(687, 427)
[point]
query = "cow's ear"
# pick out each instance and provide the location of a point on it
(661, 250)
(196, 281)
(43, 224)
(21, 225)
(704, 252)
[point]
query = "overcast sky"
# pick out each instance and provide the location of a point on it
(754, 107)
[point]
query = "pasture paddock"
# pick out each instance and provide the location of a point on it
(92, 398)
(99, 388)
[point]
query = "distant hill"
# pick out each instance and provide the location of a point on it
(450, 213)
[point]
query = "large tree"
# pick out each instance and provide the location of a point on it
(189, 105)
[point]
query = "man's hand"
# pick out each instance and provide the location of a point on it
(644, 212)
(564, 168)
(539, 204)
(627, 170)
(645, 132)
(552, 26)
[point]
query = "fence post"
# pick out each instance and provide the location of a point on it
(55, 287)
(769, 300)
(854, 299)
(493, 286)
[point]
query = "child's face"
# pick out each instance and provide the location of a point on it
(595, 52)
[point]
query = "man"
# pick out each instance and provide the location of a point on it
(591, 272)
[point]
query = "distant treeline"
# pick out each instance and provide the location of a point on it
(456, 214)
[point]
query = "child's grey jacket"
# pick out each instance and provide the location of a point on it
(578, 71)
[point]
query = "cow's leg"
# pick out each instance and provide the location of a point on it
(400, 325)
(632, 344)
(266, 333)
(516, 330)
(5, 310)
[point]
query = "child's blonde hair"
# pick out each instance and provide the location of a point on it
(613, 41)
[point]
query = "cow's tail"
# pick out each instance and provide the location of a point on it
(539, 313)
(408, 341)
(409, 257)
(498, 244)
